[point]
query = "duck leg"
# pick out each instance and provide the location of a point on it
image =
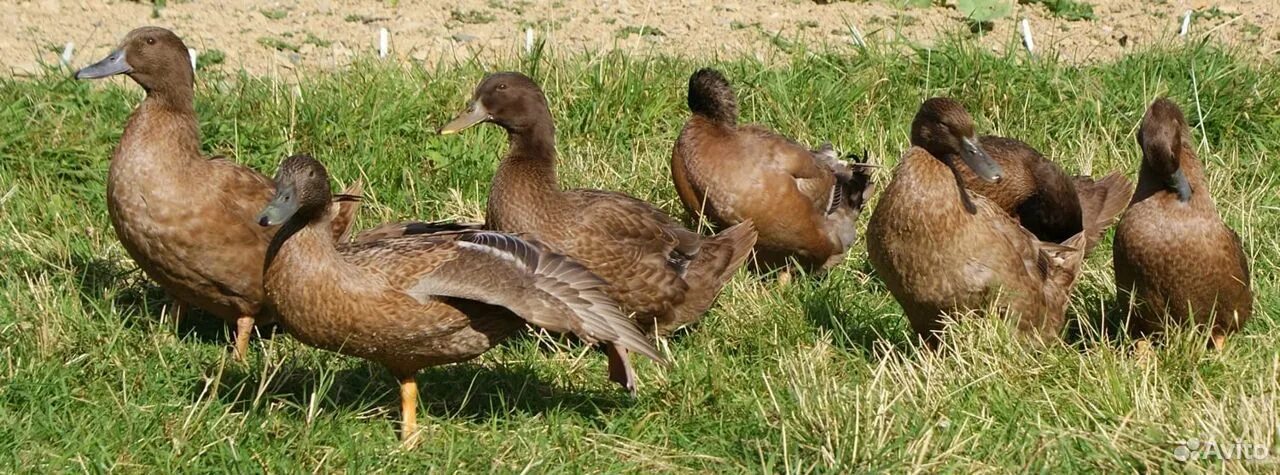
(1218, 342)
(409, 409)
(620, 370)
(244, 328)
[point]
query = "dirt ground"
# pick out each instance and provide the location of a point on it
(276, 36)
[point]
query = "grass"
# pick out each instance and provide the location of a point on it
(628, 31)
(278, 44)
(819, 375)
(1070, 10)
(274, 13)
(472, 17)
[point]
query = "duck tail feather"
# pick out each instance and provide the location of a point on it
(856, 182)
(345, 207)
(718, 259)
(1101, 202)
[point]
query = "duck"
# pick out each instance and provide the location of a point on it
(804, 203)
(1037, 191)
(185, 218)
(412, 301)
(663, 273)
(1175, 260)
(943, 250)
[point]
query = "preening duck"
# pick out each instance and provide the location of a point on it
(942, 249)
(804, 203)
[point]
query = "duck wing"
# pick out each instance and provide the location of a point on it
(545, 289)
(407, 228)
(807, 168)
(1047, 274)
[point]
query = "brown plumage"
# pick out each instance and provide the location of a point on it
(665, 274)
(941, 250)
(1175, 259)
(419, 300)
(185, 218)
(1045, 199)
(804, 203)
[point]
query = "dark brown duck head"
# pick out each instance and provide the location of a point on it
(153, 57)
(945, 129)
(509, 99)
(1161, 138)
(711, 96)
(302, 192)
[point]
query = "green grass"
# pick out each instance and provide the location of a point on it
(274, 13)
(812, 376)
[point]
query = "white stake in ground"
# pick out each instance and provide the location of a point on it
(384, 37)
(67, 51)
(528, 40)
(1186, 23)
(192, 53)
(1025, 26)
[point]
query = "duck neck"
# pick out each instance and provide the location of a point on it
(303, 245)
(162, 131)
(926, 186)
(1152, 182)
(176, 96)
(966, 201)
(528, 173)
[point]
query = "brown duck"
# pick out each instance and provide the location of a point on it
(409, 302)
(1044, 198)
(1175, 259)
(667, 275)
(804, 203)
(187, 219)
(941, 249)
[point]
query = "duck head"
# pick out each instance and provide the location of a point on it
(509, 99)
(711, 96)
(302, 190)
(153, 57)
(944, 128)
(1160, 138)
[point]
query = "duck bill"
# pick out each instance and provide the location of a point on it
(1178, 182)
(112, 65)
(280, 209)
(977, 160)
(474, 114)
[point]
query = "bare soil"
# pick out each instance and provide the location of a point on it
(275, 36)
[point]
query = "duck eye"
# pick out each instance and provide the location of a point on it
(151, 41)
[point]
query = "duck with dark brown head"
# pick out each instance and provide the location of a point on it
(1175, 260)
(1045, 199)
(665, 274)
(942, 250)
(804, 203)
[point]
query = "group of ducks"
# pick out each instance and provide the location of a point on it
(967, 223)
